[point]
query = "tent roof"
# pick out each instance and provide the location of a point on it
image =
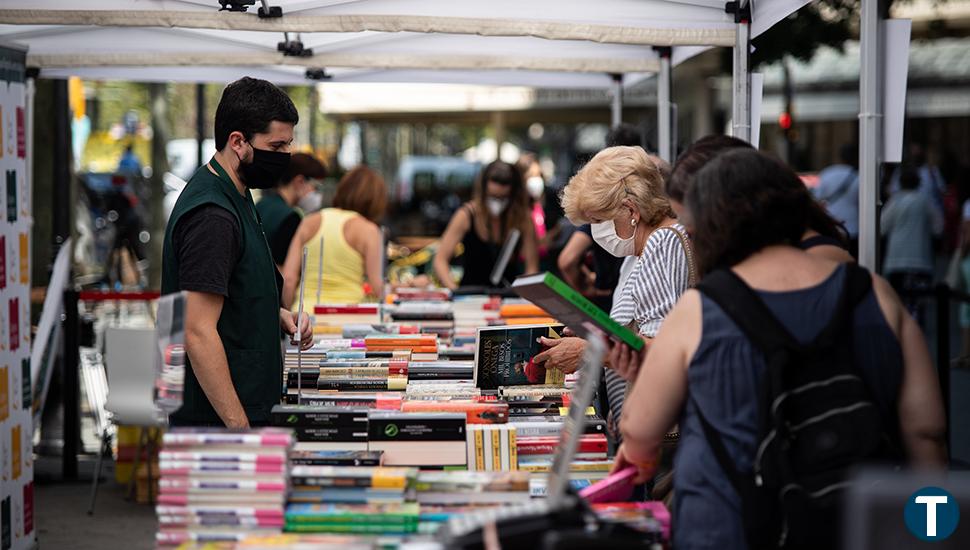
(552, 43)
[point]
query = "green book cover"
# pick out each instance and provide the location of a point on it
(570, 307)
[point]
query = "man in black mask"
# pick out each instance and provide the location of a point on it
(216, 251)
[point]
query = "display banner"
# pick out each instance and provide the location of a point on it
(16, 419)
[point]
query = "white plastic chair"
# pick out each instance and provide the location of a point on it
(129, 359)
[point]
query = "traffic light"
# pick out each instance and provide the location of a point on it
(785, 121)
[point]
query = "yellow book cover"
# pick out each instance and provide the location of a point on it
(4, 393)
(24, 259)
(479, 450)
(513, 452)
(496, 448)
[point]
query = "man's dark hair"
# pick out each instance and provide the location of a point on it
(694, 158)
(625, 134)
(741, 202)
(849, 154)
(249, 105)
(302, 164)
(908, 177)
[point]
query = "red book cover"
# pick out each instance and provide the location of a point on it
(28, 508)
(14, 324)
(476, 412)
(550, 445)
(21, 134)
(345, 310)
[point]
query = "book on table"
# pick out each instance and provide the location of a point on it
(570, 307)
(505, 356)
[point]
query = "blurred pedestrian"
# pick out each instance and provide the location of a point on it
(909, 221)
(838, 191)
(277, 208)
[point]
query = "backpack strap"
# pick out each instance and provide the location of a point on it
(747, 310)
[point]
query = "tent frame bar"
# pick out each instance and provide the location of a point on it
(550, 30)
(616, 100)
(870, 131)
(664, 107)
(349, 60)
(741, 96)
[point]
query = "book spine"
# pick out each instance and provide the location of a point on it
(496, 447)
(364, 384)
(470, 447)
(514, 447)
(328, 373)
(479, 450)
(504, 431)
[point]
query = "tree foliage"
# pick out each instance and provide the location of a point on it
(820, 23)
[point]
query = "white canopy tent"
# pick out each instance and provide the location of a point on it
(542, 43)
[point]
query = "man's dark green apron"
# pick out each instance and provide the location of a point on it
(249, 325)
(273, 210)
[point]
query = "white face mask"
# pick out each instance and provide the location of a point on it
(604, 234)
(311, 202)
(535, 186)
(496, 206)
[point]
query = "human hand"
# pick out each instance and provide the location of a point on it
(563, 353)
(288, 324)
(645, 470)
(625, 362)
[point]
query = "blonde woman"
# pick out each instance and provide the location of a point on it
(621, 193)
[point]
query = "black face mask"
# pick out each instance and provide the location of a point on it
(265, 170)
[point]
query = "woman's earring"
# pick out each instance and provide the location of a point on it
(633, 222)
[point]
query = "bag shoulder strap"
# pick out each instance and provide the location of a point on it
(689, 252)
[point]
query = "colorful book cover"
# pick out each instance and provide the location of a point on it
(24, 259)
(14, 324)
(21, 134)
(3, 261)
(504, 356)
(15, 451)
(11, 196)
(28, 508)
(4, 393)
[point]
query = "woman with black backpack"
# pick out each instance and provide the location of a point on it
(784, 370)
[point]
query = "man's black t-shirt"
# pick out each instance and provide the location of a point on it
(207, 243)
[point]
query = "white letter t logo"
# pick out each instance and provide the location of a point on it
(931, 503)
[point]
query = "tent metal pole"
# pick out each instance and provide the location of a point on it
(199, 123)
(870, 132)
(664, 111)
(616, 100)
(741, 97)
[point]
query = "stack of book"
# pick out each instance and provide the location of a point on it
(430, 317)
(329, 319)
(472, 488)
(515, 311)
(492, 447)
(342, 499)
(324, 428)
(425, 439)
(422, 347)
(221, 485)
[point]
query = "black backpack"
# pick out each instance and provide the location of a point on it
(817, 420)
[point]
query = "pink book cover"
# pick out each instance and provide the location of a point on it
(617, 487)
(203, 468)
(264, 438)
(21, 134)
(14, 324)
(270, 513)
(181, 486)
(28, 508)
(203, 457)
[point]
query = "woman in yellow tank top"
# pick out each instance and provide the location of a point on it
(349, 239)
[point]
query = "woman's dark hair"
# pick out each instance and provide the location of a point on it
(516, 216)
(741, 202)
(694, 158)
(249, 105)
